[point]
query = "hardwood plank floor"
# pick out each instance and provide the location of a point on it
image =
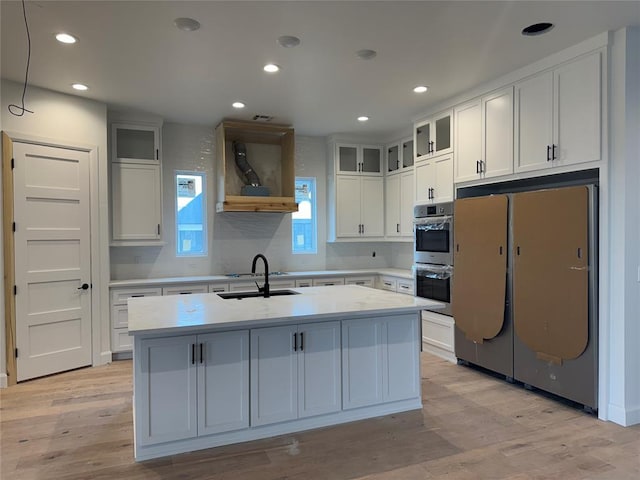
(77, 425)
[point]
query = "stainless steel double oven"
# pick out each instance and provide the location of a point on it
(433, 252)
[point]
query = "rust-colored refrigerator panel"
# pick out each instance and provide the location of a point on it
(550, 272)
(480, 259)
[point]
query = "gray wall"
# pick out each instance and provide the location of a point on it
(235, 237)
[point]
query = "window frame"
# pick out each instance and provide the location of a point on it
(205, 236)
(314, 216)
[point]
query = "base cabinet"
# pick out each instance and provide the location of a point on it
(295, 372)
(181, 393)
(381, 360)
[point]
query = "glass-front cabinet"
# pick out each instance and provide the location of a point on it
(393, 158)
(407, 153)
(358, 159)
(433, 136)
(136, 142)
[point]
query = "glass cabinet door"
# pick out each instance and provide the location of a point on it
(443, 135)
(393, 158)
(136, 143)
(371, 160)
(407, 153)
(347, 158)
(423, 140)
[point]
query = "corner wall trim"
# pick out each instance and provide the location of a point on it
(624, 416)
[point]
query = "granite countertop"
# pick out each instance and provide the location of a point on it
(141, 282)
(182, 314)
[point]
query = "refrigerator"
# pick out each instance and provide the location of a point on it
(524, 294)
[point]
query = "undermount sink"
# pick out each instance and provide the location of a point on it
(241, 295)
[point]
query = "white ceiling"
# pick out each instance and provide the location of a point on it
(132, 56)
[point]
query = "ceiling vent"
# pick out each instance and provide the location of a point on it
(262, 118)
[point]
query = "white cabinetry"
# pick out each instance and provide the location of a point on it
(380, 360)
(393, 284)
(251, 286)
(360, 201)
(218, 287)
(181, 396)
(354, 159)
(399, 204)
(484, 137)
(434, 180)
(433, 137)
(184, 289)
(437, 335)
(328, 281)
(136, 185)
(120, 339)
(399, 156)
(365, 281)
(559, 116)
(295, 372)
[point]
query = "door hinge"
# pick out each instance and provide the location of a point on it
(13, 226)
(16, 352)
(15, 290)
(13, 164)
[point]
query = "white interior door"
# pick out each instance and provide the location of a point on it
(52, 259)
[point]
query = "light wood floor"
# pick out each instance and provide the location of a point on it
(77, 425)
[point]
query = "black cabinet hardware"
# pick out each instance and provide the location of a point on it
(193, 354)
(301, 341)
(553, 152)
(548, 153)
(295, 342)
(84, 286)
(202, 353)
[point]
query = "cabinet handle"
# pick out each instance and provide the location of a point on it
(202, 353)
(157, 154)
(548, 153)
(295, 342)
(431, 146)
(477, 166)
(553, 152)
(158, 229)
(397, 228)
(363, 228)
(136, 296)
(481, 166)
(193, 354)
(301, 341)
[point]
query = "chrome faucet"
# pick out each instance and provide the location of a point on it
(264, 289)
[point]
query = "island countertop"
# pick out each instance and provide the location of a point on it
(208, 312)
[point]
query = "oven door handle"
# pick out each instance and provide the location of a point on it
(433, 221)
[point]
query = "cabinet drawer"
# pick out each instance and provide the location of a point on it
(251, 286)
(119, 316)
(185, 289)
(119, 297)
(121, 341)
(323, 282)
(307, 282)
(404, 286)
(387, 283)
(218, 287)
(364, 281)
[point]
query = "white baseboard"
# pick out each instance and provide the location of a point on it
(624, 416)
(443, 353)
(105, 358)
(4, 380)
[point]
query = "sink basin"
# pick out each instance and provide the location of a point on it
(241, 295)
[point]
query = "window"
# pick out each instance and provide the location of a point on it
(304, 224)
(191, 214)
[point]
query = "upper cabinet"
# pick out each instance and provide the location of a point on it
(434, 136)
(399, 156)
(136, 184)
(269, 150)
(484, 137)
(353, 159)
(434, 180)
(559, 116)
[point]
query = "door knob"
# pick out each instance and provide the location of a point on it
(85, 286)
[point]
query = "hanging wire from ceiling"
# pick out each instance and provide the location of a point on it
(19, 110)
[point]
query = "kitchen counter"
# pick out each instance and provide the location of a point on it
(209, 312)
(211, 372)
(394, 272)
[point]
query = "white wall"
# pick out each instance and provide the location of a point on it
(67, 119)
(624, 220)
(234, 238)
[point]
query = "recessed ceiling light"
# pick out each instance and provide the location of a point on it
(363, 118)
(537, 29)
(420, 89)
(66, 38)
(271, 68)
(187, 24)
(366, 54)
(238, 105)
(288, 41)
(80, 86)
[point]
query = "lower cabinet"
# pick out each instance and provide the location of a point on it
(380, 360)
(182, 395)
(295, 372)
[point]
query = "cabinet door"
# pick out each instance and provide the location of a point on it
(534, 124)
(372, 207)
(468, 141)
(443, 189)
(362, 363)
(441, 125)
(136, 142)
(422, 140)
(319, 369)
(347, 158)
(406, 204)
(393, 158)
(136, 201)
(402, 372)
(392, 206)
(274, 375)
(218, 287)
(348, 196)
(168, 396)
(223, 361)
(577, 109)
(184, 289)
(371, 162)
(497, 133)
(425, 180)
(407, 154)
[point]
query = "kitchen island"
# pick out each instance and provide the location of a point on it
(210, 371)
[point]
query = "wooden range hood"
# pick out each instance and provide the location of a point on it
(270, 151)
